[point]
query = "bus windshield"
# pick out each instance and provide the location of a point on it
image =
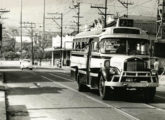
(124, 46)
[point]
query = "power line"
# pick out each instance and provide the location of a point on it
(77, 5)
(67, 12)
(103, 13)
(125, 4)
(137, 5)
(54, 19)
(99, 4)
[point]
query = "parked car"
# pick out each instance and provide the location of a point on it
(26, 64)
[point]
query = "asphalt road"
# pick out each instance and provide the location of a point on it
(52, 95)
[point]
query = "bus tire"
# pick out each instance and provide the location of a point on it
(104, 91)
(149, 94)
(81, 87)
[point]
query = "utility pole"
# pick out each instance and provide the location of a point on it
(78, 16)
(31, 26)
(43, 35)
(2, 11)
(125, 4)
(61, 28)
(160, 20)
(103, 13)
(54, 20)
(21, 27)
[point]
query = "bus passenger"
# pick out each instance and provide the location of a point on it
(156, 65)
(122, 48)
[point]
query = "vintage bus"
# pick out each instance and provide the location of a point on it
(114, 58)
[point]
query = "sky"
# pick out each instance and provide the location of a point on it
(33, 11)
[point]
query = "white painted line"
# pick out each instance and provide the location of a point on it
(154, 107)
(160, 96)
(60, 84)
(60, 77)
(150, 106)
(98, 101)
(63, 74)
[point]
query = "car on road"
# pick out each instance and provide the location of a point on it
(26, 64)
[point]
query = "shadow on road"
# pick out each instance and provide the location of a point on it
(17, 112)
(129, 96)
(22, 77)
(28, 77)
(33, 91)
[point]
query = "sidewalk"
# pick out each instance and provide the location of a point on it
(162, 80)
(2, 99)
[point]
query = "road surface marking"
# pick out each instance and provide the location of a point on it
(60, 77)
(160, 96)
(63, 73)
(98, 101)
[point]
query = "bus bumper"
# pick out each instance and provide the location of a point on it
(131, 84)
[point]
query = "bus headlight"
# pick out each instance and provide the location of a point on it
(153, 72)
(114, 70)
(107, 63)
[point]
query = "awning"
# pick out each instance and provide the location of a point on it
(55, 49)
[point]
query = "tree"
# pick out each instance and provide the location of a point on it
(10, 55)
(39, 52)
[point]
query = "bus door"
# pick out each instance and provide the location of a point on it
(88, 63)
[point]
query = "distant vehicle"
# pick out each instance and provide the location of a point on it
(26, 64)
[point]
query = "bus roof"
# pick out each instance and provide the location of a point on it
(89, 34)
(115, 32)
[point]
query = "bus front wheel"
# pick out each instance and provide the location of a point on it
(104, 91)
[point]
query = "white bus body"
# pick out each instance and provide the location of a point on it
(114, 58)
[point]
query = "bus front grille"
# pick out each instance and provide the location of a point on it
(134, 65)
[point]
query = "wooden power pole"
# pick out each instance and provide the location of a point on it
(103, 13)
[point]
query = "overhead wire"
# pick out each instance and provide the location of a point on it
(137, 5)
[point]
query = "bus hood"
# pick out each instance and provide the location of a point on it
(119, 61)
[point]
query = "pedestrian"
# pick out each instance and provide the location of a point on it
(156, 65)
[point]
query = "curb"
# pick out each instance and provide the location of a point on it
(162, 80)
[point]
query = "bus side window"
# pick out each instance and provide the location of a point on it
(78, 46)
(83, 46)
(94, 46)
(74, 45)
(86, 48)
(101, 47)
